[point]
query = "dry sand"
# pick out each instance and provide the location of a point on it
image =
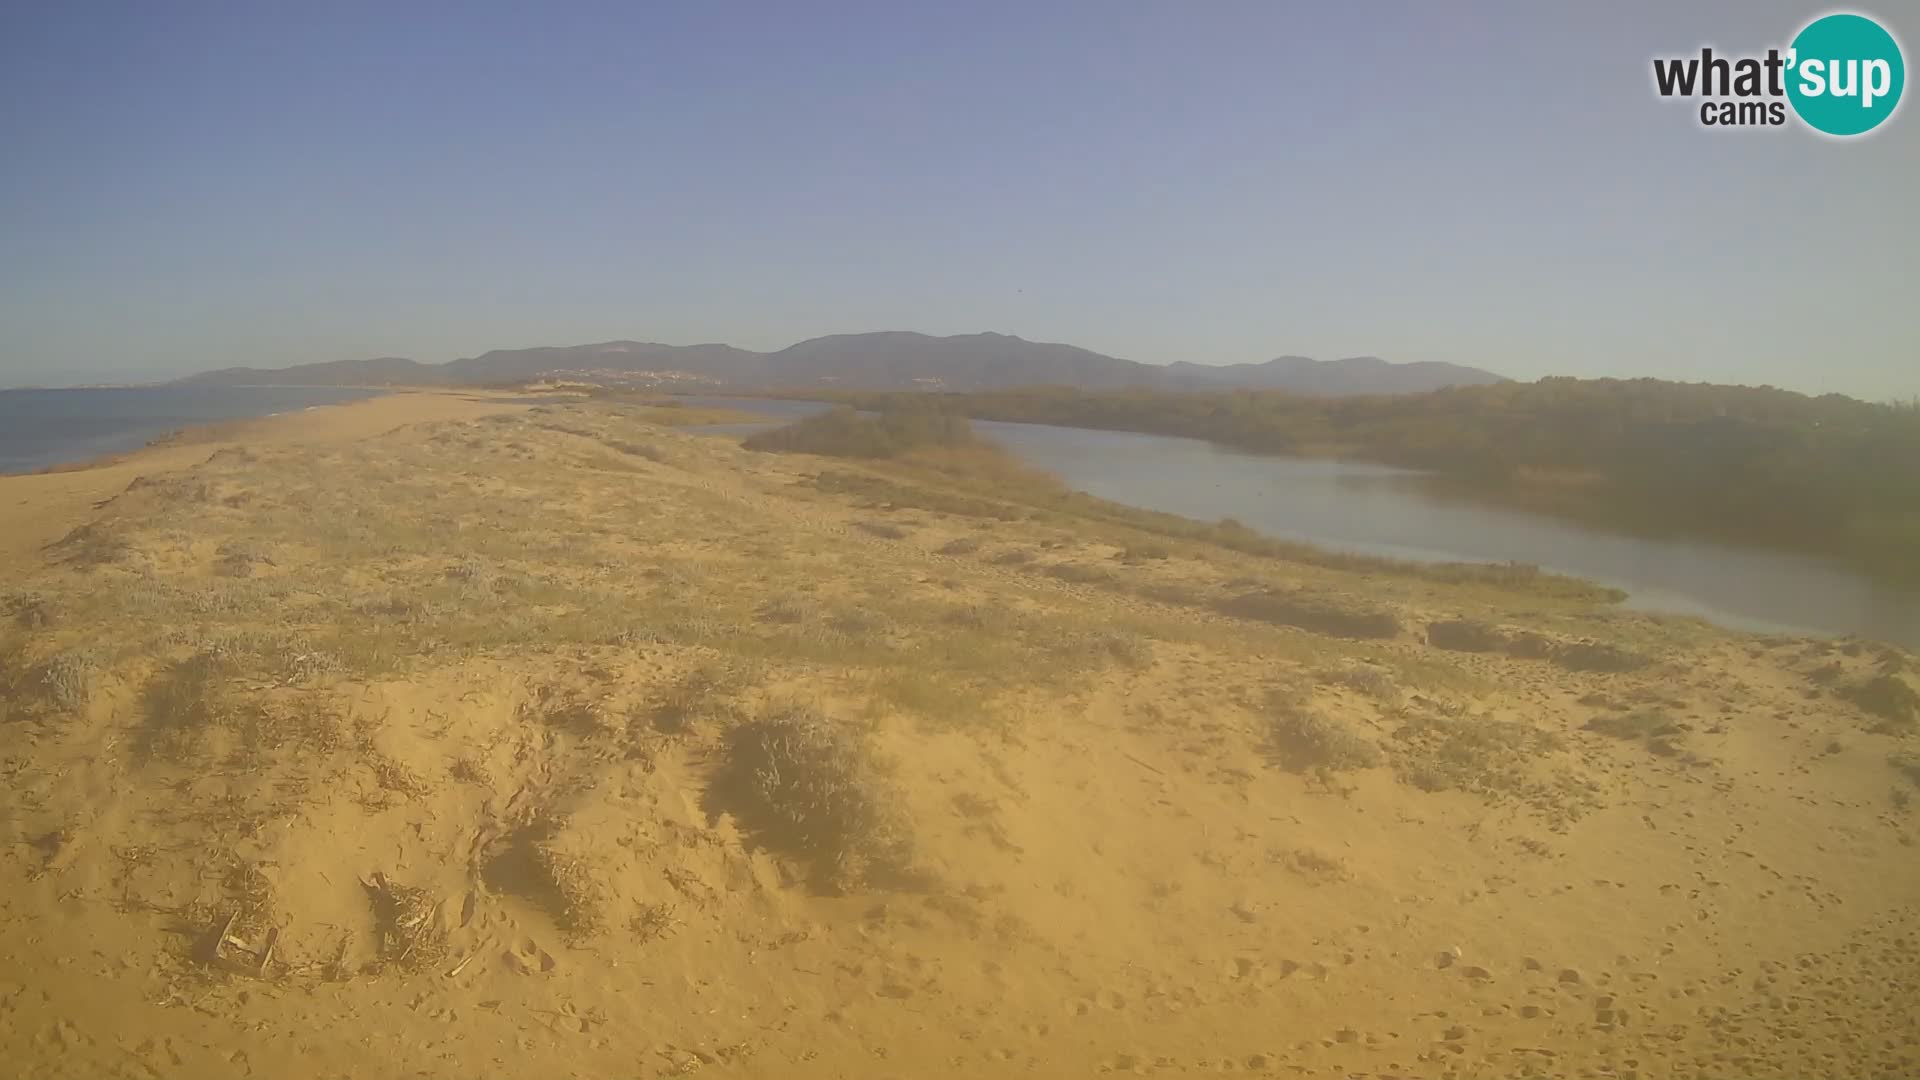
(445, 697)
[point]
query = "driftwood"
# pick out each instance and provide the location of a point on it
(407, 921)
(236, 953)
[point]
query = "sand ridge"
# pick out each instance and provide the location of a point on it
(441, 695)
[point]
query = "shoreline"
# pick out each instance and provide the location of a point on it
(186, 432)
(48, 503)
(1644, 589)
(1518, 492)
(37, 508)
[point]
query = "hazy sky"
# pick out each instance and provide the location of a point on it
(186, 186)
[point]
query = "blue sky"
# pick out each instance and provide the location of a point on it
(188, 186)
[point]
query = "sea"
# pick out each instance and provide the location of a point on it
(43, 428)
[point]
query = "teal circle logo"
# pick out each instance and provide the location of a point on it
(1845, 74)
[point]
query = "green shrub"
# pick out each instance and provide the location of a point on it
(1465, 635)
(846, 433)
(1907, 765)
(1890, 698)
(1597, 657)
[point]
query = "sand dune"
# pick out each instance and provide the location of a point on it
(559, 742)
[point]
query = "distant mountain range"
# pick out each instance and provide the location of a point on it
(888, 360)
(1332, 378)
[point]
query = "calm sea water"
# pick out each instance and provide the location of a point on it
(39, 428)
(1377, 510)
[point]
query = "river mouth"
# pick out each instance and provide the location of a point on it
(1380, 510)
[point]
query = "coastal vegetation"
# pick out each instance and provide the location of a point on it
(566, 716)
(1829, 475)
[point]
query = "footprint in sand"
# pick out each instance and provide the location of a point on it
(1110, 1000)
(528, 958)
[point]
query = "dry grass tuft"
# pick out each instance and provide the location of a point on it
(1528, 645)
(397, 607)
(62, 683)
(250, 898)
(1599, 657)
(1448, 750)
(788, 611)
(700, 694)
(885, 530)
(239, 558)
(1315, 866)
(1660, 732)
(896, 495)
(811, 788)
(180, 703)
(92, 545)
(1321, 615)
(1080, 575)
(31, 611)
(407, 928)
(561, 709)
(582, 898)
(191, 490)
(640, 450)
(268, 727)
(1302, 739)
(654, 921)
(470, 769)
(396, 776)
(1372, 681)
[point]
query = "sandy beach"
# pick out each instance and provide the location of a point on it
(440, 734)
(42, 507)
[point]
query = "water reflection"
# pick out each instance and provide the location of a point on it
(1379, 510)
